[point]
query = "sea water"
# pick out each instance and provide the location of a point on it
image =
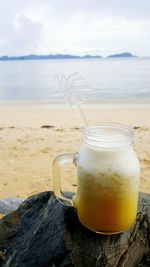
(106, 78)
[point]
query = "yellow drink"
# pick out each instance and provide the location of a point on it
(111, 214)
(105, 203)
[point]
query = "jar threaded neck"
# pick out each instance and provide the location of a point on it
(108, 135)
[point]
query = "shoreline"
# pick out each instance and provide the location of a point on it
(104, 103)
(38, 113)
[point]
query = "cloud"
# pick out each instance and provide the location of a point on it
(53, 26)
(108, 34)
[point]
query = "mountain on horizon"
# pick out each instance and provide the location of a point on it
(63, 56)
(125, 54)
(36, 57)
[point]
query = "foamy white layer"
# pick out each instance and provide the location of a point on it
(114, 170)
(122, 161)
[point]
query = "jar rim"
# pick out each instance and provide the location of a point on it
(108, 132)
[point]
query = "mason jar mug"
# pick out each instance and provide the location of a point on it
(108, 173)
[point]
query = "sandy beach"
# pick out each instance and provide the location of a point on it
(33, 134)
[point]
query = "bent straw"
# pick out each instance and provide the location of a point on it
(68, 87)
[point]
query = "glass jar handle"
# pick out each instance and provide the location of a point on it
(64, 197)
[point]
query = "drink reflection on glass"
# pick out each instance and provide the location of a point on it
(107, 178)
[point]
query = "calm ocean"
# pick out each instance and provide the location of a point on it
(107, 78)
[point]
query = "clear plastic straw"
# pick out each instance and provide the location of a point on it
(68, 87)
(83, 119)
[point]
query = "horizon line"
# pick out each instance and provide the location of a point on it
(68, 56)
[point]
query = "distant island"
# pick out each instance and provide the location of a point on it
(126, 54)
(36, 57)
(63, 56)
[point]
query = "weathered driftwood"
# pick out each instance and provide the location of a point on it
(44, 233)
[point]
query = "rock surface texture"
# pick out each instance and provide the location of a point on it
(44, 233)
(8, 205)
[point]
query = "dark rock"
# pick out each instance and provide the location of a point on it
(47, 126)
(137, 127)
(11, 127)
(10, 204)
(44, 233)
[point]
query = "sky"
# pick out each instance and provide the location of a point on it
(96, 27)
